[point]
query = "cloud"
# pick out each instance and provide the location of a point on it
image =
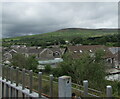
(32, 18)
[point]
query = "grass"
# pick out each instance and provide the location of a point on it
(47, 39)
(68, 34)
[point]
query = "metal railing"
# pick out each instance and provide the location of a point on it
(30, 84)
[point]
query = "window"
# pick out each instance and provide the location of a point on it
(90, 51)
(75, 51)
(56, 53)
(80, 51)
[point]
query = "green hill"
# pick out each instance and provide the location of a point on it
(69, 33)
(58, 36)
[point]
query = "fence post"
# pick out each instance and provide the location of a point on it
(13, 80)
(2, 79)
(64, 89)
(31, 80)
(6, 73)
(7, 87)
(40, 83)
(51, 85)
(11, 73)
(3, 72)
(10, 81)
(85, 84)
(17, 69)
(109, 91)
(23, 81)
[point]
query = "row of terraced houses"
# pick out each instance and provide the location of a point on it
(55, 53)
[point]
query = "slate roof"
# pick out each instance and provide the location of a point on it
(34, 50)
(56, 49)
(80, 49)
(21, 50)
(114, 50)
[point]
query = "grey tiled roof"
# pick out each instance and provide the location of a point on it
(114, 50)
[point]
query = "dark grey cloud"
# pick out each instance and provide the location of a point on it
(31, 18)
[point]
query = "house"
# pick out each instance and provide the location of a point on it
(77, 52)
(117, 59)
(40, 53)
(34, 51)
(25, 50)
(12, 51)
(9, 54)
(116, 52)
(51, 53)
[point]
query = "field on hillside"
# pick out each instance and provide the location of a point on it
(68, 34)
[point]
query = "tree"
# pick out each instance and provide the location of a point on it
(87, 67)
(32, 63)
(21, 61)
(48, 68)
(77, 40)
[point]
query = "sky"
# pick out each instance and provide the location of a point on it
(28, 18)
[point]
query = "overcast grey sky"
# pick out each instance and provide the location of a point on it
(20, 19)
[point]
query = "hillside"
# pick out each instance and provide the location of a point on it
(68, 33)
(59, 36)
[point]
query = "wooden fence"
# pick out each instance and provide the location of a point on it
(25, 83)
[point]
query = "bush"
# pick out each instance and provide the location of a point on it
(21, 61)
(48, 68)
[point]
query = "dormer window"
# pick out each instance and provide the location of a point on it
(90, 51)
(57, 53)
(75, 51)
(80, 51)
